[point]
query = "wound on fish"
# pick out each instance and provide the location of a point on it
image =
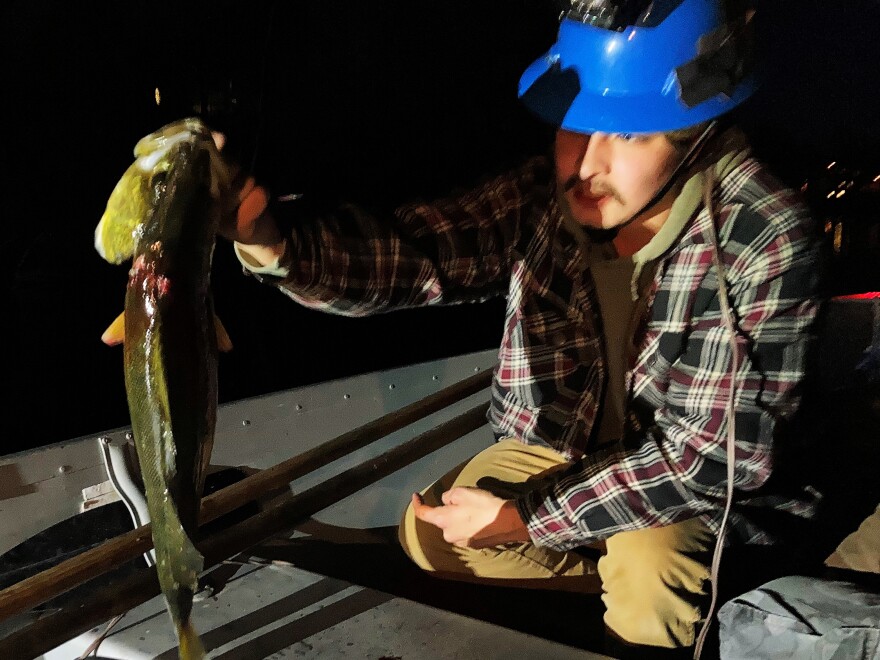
(144, 273)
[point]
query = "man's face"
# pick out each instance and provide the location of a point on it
(604, 179)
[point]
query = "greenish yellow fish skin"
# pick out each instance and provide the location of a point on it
(162, 214)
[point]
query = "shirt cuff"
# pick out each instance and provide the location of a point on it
(272, 269)
(548, 529)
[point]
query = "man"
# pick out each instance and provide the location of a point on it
(660, 288)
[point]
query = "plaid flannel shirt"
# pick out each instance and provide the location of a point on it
(508, 236)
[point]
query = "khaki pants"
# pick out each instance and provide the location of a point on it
(654, 580)
(860, 551)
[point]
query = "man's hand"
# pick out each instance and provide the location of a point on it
(473, 518)
(244, 217)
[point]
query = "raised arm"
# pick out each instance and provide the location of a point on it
(347, 260)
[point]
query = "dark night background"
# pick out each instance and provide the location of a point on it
(376, 102)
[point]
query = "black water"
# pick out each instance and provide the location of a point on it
(375, 102)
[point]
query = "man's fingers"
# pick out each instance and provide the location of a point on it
(253, 202)
(424, 512)
(457, 495)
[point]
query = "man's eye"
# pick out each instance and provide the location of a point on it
(626, 137)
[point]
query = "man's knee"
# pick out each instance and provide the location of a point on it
(655, 584)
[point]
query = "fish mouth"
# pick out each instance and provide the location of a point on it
(153, 155)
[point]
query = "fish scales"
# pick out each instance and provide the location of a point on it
(165, 204)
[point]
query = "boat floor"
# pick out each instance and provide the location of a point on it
(339, 585)
(331, 598)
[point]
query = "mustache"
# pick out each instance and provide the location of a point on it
(598, 190)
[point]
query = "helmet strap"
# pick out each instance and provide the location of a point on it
(693, 153)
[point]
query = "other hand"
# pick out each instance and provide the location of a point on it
(473, 518)
(244, 217)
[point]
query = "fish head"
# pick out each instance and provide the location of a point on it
(134, 198)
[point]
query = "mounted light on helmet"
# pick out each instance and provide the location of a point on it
(632, 66)
(607, 14)
(600, 13)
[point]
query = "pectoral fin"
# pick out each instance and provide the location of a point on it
(115, 333)
(224, 343)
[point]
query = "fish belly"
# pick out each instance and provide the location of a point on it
(171, 383)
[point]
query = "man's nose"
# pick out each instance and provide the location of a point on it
(595, 158)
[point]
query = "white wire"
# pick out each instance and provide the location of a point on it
(730, 326)
(93, 647)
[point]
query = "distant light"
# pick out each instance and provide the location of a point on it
(840, 194)
(805, 186)
(831, 164)
(828, 226)
(838, 236)
(830, 195)
(870, 295)
(877, 178)
(158, 96)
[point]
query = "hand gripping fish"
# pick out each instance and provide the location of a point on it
(162, 214)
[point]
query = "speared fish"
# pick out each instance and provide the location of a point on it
(163, 215)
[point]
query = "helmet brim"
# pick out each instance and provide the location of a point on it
(557, 96)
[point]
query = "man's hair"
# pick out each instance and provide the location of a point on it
(727, 135)
(684, 137)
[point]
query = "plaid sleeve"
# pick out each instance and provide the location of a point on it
(459, 249)
(675, 468)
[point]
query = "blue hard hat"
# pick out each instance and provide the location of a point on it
(675, 65)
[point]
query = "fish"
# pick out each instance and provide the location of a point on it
(163, 215)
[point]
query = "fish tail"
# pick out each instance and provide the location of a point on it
(190, 645)
(178, 576)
